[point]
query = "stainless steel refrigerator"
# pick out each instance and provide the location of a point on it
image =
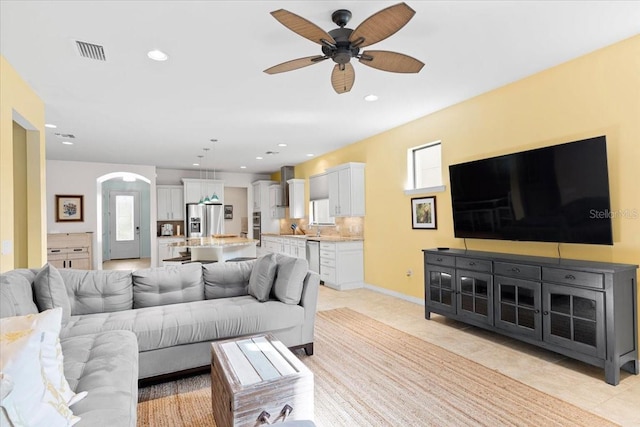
(204, 220)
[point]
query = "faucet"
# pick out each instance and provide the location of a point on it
(318, 231)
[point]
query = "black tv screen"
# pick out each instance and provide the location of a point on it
(552, 194)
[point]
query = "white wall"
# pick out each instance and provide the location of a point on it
(236, 197)
(81, 178)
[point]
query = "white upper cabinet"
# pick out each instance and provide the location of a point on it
(296, 198)
(261, 195)
(170, 202)
(196, 189)
(275, 201)
(346, 190)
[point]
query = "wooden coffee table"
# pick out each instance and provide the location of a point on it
(254, 379)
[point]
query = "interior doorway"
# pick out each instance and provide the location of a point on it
(123, 183)
(124, 224)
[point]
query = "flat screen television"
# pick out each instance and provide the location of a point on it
(551, 194)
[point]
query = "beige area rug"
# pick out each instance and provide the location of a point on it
(370, 374)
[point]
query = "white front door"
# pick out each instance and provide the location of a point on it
(124, 224)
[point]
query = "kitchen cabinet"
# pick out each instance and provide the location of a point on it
(261, 195)
(292, 246)
(276, 210)
(170, 202)
(196, 189)
(342, 264)
(586, 310)
(346, 190)
(70, 250)
(165, 251)
(296, 198)
(272, 244)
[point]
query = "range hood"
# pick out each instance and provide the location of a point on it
(286, 173)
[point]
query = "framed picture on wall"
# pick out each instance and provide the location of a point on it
(69, 208)
(423, 213)
(228, 211)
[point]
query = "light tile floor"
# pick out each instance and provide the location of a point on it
(568, 379)
(126, 264)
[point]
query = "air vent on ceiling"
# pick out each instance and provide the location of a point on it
(271, 153)
(91, 51)
(65, 135)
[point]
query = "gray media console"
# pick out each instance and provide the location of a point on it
(582, 309)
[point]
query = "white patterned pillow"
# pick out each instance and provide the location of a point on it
(31, 359)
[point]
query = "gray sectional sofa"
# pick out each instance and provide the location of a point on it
(121, 326)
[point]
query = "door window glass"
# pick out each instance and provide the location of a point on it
(124, 219)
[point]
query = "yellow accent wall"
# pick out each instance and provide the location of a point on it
(19, 103)
(596, 94)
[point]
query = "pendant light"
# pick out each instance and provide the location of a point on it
(207, 200)
(214, 196)
(201, 201)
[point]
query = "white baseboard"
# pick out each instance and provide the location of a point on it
(395, 294)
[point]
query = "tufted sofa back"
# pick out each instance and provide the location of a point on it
(98, 291)
(16, 293)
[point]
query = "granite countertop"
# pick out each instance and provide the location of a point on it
(313, 237)
(214, 242)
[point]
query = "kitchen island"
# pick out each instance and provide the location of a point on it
(219, 249)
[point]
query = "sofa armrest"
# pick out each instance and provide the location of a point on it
(309, 302)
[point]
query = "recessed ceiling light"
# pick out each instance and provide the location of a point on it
(282, 144)
(371, 98)
(243, 167)
(67, 142)
(50, 126)
(196, 164)
(310, 155)
(258, 158)
(157, 55)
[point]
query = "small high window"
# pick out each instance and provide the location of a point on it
(424, 165)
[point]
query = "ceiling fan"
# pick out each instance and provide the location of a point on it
(342, 44)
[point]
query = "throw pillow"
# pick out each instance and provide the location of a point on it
(30, 364)
(262, 275)
(289, 278)
(51, 292)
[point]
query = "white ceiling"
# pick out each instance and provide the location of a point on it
(132, 110)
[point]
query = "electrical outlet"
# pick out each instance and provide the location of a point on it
(7, 247)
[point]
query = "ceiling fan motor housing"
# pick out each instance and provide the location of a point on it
(343, 51)
(340, 17)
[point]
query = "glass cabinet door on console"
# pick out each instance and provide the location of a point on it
(475, 296)
(517, 306)
(574, 318)
(439, 292)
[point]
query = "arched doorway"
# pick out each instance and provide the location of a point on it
(129, 194)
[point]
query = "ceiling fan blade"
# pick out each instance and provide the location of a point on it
(342, 78)
(390, 61)
(294, 64)
(301, 26)
(381, 25)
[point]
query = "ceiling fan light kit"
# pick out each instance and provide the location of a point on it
(342, 44)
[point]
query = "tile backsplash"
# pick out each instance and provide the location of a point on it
(344, 227)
